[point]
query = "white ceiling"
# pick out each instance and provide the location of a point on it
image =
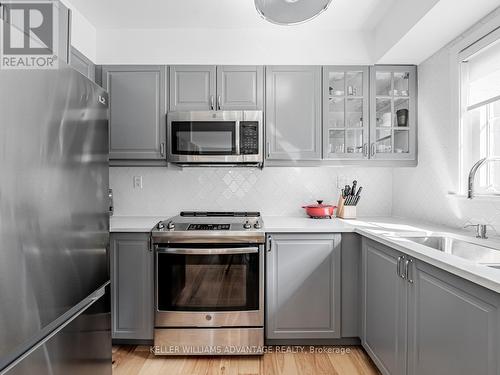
(231, 31)
(345, 15)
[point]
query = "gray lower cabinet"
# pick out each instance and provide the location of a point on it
(293, 113)
(82, 64)
(132, 286)
(384, 308)
(137, 111)
(192, 87)
(240, 87)
(351, 285)
(454, 325)
(426, 321)
(303, 286)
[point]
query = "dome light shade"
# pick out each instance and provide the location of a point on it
(290, 12)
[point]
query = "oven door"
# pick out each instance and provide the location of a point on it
(209, 285)
(204, 137)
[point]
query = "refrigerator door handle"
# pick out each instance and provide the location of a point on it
(78, 310)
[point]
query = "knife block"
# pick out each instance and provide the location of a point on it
(346, 212)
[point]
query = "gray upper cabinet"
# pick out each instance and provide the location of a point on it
(64, 30)
(137, 111)
(293, 113)
(346, 120)
(303, 287)
(240, 87)
(204, 88)
(384, 304)
(82, 64)
(454, 325)
(192, 88)
(393, 112)
(132, 287)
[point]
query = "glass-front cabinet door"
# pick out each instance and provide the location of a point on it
(345, 116)
(393, 113)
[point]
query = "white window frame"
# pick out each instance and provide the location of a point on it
(463, 55)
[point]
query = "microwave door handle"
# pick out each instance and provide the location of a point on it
(237, 136)
(201, 251)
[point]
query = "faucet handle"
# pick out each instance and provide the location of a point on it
(481, 230)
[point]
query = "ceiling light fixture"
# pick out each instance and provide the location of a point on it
(290, 12)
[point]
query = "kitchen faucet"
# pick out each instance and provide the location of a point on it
(481, 230)
(473, 171)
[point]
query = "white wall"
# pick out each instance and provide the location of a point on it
(273, 191)
(83, 33)
(423, 192)
(231, 46)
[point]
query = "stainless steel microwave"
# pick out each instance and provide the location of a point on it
(215, 137)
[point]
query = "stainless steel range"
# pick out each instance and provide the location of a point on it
(209, 283)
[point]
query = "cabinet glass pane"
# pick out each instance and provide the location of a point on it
(383, 83)
(337, 139)
(337, 84)
(354, 83)
(401, 109)
(354, 141)
(384, 141)
(401, 83)
(401, 141)
(336, 109)
(354, 113)
(384, 114)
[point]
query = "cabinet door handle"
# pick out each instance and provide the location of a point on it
(212, 102)
(365, 150)
(373, 149)
(219, 102)
(268, 149)
(408, 264)
(398, 270)
(269, 244)
(162, 149)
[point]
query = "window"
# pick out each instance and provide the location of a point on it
(480, 114)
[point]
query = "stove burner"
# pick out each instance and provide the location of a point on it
(219, 214)
(209, 227)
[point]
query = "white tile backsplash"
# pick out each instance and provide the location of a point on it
(272, 191)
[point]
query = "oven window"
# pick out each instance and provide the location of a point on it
(204, 138)
(208, 283)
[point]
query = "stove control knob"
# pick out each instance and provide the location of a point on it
(160, 225)
(247, 225)
(170, 225)
(257, 225)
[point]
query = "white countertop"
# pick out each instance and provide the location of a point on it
(384, 230)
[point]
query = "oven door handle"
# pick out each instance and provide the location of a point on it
(198, 251)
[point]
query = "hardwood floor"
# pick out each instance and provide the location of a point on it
(137, 360)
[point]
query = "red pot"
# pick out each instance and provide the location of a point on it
(319, 210)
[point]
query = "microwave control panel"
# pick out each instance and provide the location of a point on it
(249, 138)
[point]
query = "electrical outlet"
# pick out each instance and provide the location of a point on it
(137, 182)
(342, 182)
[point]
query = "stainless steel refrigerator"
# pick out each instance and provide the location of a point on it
(54, 224)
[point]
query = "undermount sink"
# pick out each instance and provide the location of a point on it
(467, 250)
